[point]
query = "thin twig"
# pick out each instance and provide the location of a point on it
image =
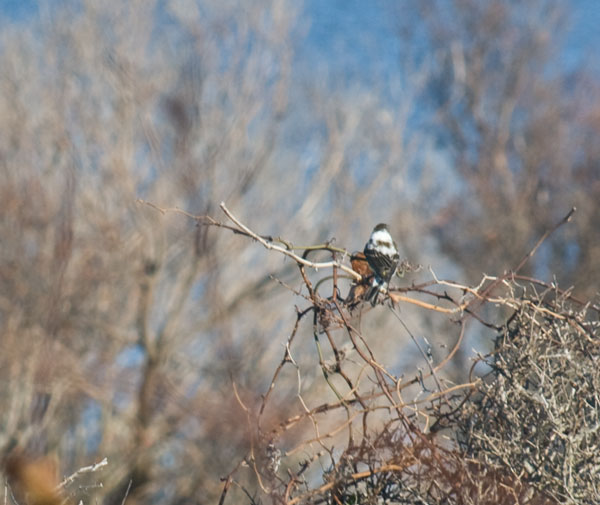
(425, 357)
(127, 492)
(524, 260)
(274, 247)
(85, 469)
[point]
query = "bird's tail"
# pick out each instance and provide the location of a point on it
(374, 290)
(371, 295)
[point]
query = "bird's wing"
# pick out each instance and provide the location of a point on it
(382, 263)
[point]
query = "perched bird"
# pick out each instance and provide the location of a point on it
(382, 255)
(359, 264)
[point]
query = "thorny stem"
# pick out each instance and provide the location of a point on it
(416, 446)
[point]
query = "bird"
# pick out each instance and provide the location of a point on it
(382, 255)
(359, 264)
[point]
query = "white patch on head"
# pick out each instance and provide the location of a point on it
(382, 242)
(381, 236)
(385, 250)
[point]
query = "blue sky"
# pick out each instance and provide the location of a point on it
(347, 33)
(585, 33)
(17, 9)
(344, 35)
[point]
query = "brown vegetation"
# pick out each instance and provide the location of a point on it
(146, 352)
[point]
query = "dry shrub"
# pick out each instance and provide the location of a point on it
(536, 416)
(524, 429)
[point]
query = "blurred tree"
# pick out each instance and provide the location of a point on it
(117, 325)
(509, 122)
(122, 328)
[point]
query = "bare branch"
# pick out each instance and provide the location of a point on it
(271, 246)
(81, 471)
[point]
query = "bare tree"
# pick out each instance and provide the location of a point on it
(510, 130)
(133, 329)
(118, 329)
(520, 431)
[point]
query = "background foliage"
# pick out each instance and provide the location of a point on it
(123, 328)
